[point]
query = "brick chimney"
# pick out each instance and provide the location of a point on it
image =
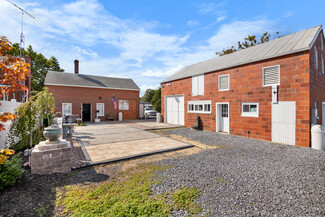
(76, 67)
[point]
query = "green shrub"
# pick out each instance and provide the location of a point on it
(184, 199)
(10, 171)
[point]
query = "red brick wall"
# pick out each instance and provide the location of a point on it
(246, 86)
(78, 95)
(317, 79)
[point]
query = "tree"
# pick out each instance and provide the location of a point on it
(13, 73)
(250, 41)
(39, 66)
(156, 100)
(147, 95)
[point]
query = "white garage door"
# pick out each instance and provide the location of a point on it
(175, 109)
(284, 123)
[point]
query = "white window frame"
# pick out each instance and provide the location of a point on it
(227, 75)
(197, 104)
(67, 103)
(315, 57)
(249, 114)
(323, 69)
(263, 69)
(122, 104)
(100, 114)
(196, 93)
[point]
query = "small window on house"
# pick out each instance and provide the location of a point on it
(123, 104)
(271, 75)
(223, 82)
(199, 106)
(198, 85)
(315, 58)
(322, 42)
(66, 109)
(100, 107)
(323, 70)
(249, 109)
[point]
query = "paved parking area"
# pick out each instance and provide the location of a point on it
(107, 142)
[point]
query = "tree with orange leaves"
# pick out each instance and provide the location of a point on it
(13, 73)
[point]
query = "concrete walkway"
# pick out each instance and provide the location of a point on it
(113, 141)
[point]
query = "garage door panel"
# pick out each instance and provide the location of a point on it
(175, 109)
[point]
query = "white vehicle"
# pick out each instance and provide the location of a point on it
(149, 112)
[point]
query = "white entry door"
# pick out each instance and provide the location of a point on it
(175, 110)
(284, 123)
(222, 117)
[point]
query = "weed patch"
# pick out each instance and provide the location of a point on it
(130, 195)
(184, 199)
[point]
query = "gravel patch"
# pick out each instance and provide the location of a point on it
(249, 177)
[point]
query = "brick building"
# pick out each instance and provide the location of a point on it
(85, 94)
(273, 91)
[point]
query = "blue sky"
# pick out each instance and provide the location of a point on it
(149, 40)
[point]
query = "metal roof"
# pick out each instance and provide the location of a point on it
(82, 80)
(293, 43)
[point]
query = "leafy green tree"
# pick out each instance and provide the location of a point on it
(27, 129)
(147, 95)
(250, 41)
(39, 66)
(156, 100)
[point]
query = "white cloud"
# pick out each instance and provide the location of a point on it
(192, 23)
(161, 73)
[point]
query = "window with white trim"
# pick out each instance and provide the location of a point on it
(315, 58)
(322, 42)
(123, 105)
(223, 82)
(66, 109)
(271, 75)
(100, 107)
(198, 85)
(249, 109)
(323, 70)
(199, 106)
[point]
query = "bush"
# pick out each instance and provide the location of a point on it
(10, 171)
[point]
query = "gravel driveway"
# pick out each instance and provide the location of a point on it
(249, 177)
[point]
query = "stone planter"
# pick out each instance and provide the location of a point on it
(52, 133)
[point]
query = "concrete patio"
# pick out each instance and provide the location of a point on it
(114, 141)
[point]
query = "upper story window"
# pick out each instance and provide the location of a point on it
(100, 107)
(223, 82)
(123, 105)
(199, 106)
(271, 75)
(249, 109)
(323, 70)
(315, 58)
(198, 85)
(322, 42)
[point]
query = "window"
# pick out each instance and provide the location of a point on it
(123, 105)
(198, 85)
(223, 82)
(322, 42)
(249, 109)
(323, 70)
(199, 106)
(100, 107)
(271, 75)
(315, 58)
(66, 109)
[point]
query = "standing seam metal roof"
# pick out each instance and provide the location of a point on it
(293, 43)
(70, 79)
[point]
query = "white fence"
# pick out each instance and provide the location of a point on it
(7, 106)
